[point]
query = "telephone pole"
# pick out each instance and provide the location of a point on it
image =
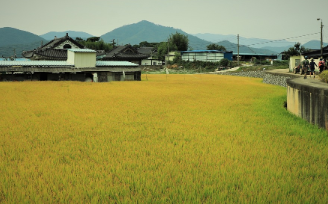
(321, 43)
(238, 49)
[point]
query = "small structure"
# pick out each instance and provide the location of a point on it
(151, 53)
(294, 61)
(53, 50)
(170, 56)
(81, 65)
(124, 53)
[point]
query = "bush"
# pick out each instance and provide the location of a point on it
(281, 63)
(324, 76)
(224, 62)
(262, 61)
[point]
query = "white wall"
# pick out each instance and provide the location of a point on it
(202, 56)
(82, 59)
(61, 46)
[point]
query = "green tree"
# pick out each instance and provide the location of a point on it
(297, 49)
(180, 41)
(93, 39)
(162, 49)
(214, 46)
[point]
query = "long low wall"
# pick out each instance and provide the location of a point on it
(269, 77)
(308, 99)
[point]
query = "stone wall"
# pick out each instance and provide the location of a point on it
(268, 77)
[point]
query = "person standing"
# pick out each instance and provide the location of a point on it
(312, 67)
(305, 66)
(321, 65)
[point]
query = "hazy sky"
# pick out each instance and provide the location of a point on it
(269, 19)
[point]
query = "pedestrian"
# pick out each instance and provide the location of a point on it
(305, 66)
(321, 65)
(312, 67)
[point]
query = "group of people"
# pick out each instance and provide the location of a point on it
(323, 65)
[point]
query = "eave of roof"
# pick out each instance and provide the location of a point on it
(44, 63)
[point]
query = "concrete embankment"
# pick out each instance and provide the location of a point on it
(306, 98)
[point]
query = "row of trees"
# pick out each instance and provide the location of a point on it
(95, 43)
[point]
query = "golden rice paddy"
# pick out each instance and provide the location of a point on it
(175, 139)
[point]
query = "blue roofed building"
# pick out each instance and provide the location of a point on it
(205, 55)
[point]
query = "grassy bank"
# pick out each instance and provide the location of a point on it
(175, 138)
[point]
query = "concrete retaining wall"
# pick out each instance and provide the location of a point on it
(308, 100)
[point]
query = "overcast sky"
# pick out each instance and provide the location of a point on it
(268, 19)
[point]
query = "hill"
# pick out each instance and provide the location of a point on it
(13, 36)
(252, 42)
(150, 32)
(73, 34)
(9, 50)
(314, 44)
(245, 49)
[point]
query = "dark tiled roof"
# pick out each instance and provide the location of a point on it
(57, 41)
(146, 50)
(54, 54)
(47, 51)
(124, 52)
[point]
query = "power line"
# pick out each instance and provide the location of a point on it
(248, 46)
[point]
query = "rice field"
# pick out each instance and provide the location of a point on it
(166, 139)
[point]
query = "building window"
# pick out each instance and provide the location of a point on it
(67, 46)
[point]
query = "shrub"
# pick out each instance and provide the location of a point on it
(324, 76)
(224, 62)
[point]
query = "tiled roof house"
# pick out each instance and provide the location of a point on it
(53, 50)
(125, 53)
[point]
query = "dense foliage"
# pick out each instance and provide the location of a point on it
(176, 42)
(214, 46)
(95, 43)
(293, 51)
(324, 76)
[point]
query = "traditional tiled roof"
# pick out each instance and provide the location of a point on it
(47, 51)
(147, 50)
(125, 52)
(54, 54)
(57, 41)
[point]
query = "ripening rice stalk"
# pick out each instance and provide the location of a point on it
(172, 138)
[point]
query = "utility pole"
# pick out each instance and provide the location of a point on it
(321, 43)
(168, 51)
(238, 48)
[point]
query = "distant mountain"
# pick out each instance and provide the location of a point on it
(314, 44)
(73, 34)
(252, 42)
(245, 49)
(9, 50)
(277, 49)
(12, 36)
(150, 32)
